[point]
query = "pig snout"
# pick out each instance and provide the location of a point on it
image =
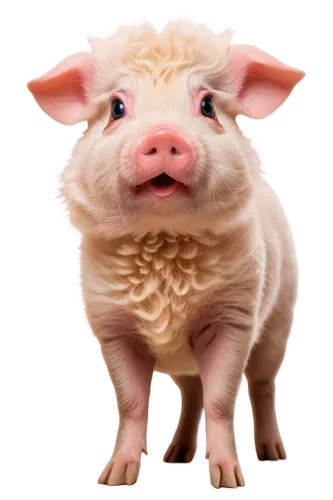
(164, 150)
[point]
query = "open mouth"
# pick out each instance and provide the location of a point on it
(162, 186)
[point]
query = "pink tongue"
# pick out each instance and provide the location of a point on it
(162, 191)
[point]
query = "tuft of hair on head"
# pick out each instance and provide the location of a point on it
(180, 46)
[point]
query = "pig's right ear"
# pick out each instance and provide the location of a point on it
(63, 92)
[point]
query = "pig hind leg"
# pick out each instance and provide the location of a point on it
(264, 363)
(184, 443)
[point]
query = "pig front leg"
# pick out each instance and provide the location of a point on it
(221, 349)
(131, 371)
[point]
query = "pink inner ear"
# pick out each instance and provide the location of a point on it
(63, 92)
(261, 82)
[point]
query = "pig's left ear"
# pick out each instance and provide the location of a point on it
(261, 83)
(63, 92)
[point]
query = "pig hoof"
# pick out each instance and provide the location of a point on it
(179, 453)
(182, 450)
(271, 450)
(120, 471)
(226, 476)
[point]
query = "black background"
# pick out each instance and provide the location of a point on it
(67, 414)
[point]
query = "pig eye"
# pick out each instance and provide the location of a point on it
(117, 109)
(207, 108)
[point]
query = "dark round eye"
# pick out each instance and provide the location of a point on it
(117, 109)
(207, 108)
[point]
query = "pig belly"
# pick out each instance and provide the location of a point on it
(179, 362)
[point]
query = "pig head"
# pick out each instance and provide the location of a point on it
(161, 82)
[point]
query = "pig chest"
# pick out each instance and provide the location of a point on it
(161, 280)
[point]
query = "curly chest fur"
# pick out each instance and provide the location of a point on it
(161, 279)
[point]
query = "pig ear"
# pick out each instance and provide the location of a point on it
(261, 83)
(63, 92)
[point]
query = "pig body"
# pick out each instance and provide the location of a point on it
(188, 264)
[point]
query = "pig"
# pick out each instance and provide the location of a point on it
(187, 261)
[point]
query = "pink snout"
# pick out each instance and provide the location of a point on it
(164, 150)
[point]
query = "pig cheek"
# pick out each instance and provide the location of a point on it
(229, 174)
(100, 176)
(111, 167)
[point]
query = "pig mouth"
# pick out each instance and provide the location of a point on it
(162, 186)
(162, 180)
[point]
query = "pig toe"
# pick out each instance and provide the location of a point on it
(182, 450)
(271, 450)
(179, 453)
(120, 472)
(226, 476)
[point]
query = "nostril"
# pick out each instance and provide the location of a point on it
(151, 152)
